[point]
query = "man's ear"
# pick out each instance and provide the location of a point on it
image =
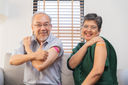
(51, 26)
(32, 27)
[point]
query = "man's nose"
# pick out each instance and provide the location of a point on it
(42, 28)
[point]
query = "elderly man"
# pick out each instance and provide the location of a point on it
(42, 53)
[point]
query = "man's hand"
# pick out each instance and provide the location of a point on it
(27, 43)
(41, 54)
(93, 40)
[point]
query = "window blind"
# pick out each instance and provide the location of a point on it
(67, 16)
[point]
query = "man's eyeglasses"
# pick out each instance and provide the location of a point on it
(46, 25)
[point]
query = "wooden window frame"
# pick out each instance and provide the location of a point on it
(57, 31)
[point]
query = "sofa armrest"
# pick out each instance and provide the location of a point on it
(13, 75)
(122, 75)
(1, 77)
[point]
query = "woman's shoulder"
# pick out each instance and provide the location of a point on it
(105, 40)
(109, 46)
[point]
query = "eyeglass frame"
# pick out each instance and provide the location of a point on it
(93, 27)
(46, 25)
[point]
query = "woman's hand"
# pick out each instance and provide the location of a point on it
(93, 40)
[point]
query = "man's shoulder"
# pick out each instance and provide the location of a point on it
(54, 39)
(18, 49)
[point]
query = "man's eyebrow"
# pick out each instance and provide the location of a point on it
(38, 22)
(46, 22)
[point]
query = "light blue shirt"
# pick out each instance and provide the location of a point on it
(49, 76)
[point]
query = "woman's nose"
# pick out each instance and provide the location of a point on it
(89, 29)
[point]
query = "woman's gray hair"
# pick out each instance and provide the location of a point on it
(95, 17)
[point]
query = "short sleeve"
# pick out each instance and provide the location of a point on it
(19, 49)
(59, 44)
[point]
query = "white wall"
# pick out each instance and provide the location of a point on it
(115, 28)
(115, 25)
(17, 25)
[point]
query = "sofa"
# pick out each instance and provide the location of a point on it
(1, 76)
(13, 75)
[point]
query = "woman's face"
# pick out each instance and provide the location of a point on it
(89, 30)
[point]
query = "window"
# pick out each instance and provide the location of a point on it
(67, 16)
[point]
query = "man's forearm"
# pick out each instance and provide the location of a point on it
(41, 65)
(21, 58)
(37, 64)
(28, 50)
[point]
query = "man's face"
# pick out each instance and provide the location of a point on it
(41, 27)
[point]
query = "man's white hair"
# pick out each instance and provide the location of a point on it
(40, 12)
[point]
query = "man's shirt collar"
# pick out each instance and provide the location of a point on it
(35, 40)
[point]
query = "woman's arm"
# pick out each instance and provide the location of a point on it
(99, 64)
(77, 57)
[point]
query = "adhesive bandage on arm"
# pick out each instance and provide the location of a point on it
(57, 49)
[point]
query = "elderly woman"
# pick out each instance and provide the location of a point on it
(93, 62)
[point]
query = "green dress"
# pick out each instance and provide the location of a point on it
(82, 70)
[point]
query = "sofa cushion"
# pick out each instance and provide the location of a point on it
(122, 75)
(1, 77)
(67, 77)
(13, 74)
